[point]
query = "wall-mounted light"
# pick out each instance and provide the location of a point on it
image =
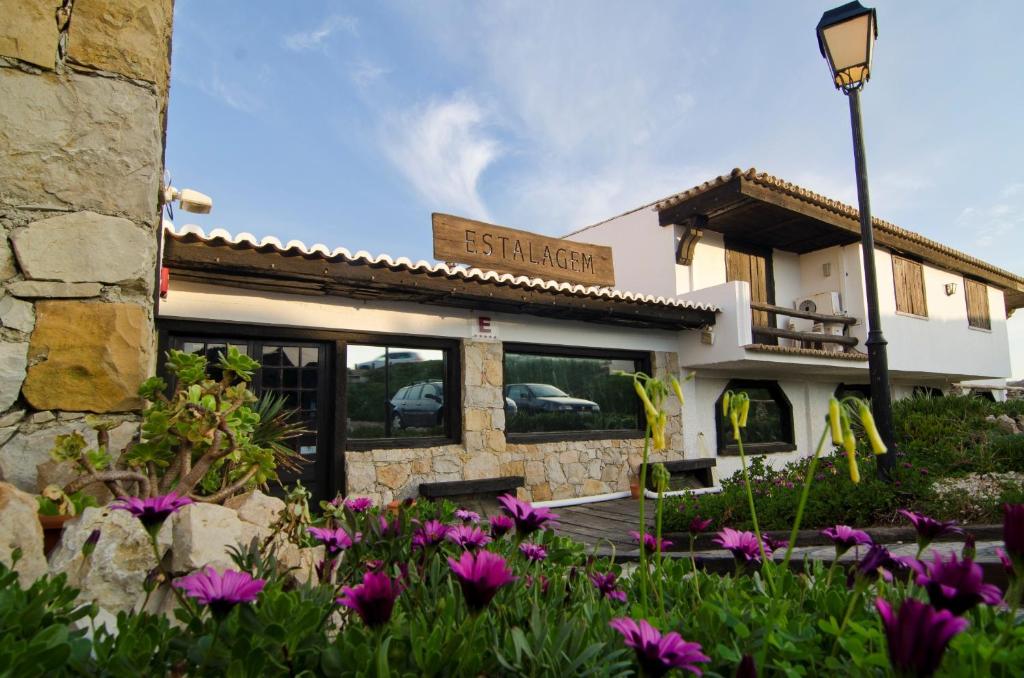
(826, 269)
(950, 289)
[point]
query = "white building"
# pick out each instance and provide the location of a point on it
(404, 388)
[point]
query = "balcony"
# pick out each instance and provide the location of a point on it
(832, 341)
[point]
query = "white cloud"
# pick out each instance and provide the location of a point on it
(994, 224)
(315, 38)
(230, 93)
(443, 148)
(366, 72)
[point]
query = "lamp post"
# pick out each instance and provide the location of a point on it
(846, 37)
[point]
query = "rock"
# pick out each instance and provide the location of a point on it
(482, 465)
(203, 533)
(555, 473)
(256, 508)
(130, 37)
(393, 475)
(300, 563)
(100, 138)
(13, 417)
(113, 575)
(13, 364)
(25, 451)
(7, 268)
(93, 357)
(360, 477)
(41, 417)
(36, 289)
(447, 465)
(85, 247)
(29, 32)
(20, 529)
(6, 434)
(592, 487)
(16, 314)
(1006, 424)
(540, 493)
(575, 472)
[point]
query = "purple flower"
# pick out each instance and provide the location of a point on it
(500, 525)
(335, 541)
(658, 654)
(533, 552)
(373, 600)
(773, 544)
(541, 580)
(527, 518)
(468, 537)
(480, 575)
(1013, 532)
(878, 562)
(650, 542)
(430, 533)
(918, 635)
(392, 529)
(929, 529)
(698, 525)
(1006, 562)
(151, 512)
(845, 537)
(467, 516)
(608, 586)
(90, 543)
(325, 569)
(359, 504)
(743, 545)
(221, 592)
(955, 585)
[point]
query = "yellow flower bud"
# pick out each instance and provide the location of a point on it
(734, 419)
(851, 458)
(849, 442)
(649, 410)
(744, 411)
(677, 389)
(725, 403)
(868, 421)
(833, 420)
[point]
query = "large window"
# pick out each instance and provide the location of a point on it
(559, 392)
(396, 392)
(977, 304)
(908, 278)
(769, 422)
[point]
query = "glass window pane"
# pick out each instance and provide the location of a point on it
(310, 356)
(564, 393)
(367, 391)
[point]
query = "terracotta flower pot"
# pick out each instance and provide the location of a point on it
(53, 528)
(634, 490)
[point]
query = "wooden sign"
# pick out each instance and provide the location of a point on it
(508, 250)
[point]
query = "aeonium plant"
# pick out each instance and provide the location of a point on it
(208, 440)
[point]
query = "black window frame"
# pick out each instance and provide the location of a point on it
(723, 429)
(643, 360)
(335, 435)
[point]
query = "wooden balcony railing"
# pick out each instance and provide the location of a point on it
(844, 340)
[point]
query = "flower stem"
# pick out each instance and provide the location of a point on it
(657, 545)
(803, 499)
(854, 599)
(167, 577)
(643, 521)
(750, 500)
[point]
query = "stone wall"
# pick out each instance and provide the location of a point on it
(83, 87)
(553, 470)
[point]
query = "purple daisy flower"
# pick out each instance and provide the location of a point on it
(469, 537)
(955, 585)
(1013, 532)
(500, 525)
(480, 576)
(773, 544)
(608, 586)
(650, 543)
(658, 654)
(533, 552)
(698, 525)
(743, 545)
(359, 504)
(325, 569)
(430, 533)
(467, 516)
(335, 541)
(918, 635)
(527, 518)
(151, 512)
(878, 562)
(373, 600)
(221, 592)
(1006, 562)
(929, 529)
(845, 537)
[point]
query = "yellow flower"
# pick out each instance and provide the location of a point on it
(744, 410)
(649, 410)
(677, 389)
(734, 419)
(725, 403)
(868, 421)
(850, 445)
(834, 423)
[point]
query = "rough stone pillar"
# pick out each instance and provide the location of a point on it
(83, 101)
(483, 409)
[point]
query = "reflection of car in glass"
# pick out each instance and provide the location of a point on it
(419, 404)
(511, 409)
(392, 357)
(536, 398)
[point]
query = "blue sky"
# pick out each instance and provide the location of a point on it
(348, 123)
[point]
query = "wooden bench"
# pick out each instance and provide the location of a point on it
(478, 495)
(687, 473)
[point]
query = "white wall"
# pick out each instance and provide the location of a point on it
(708, 266)
(224, 304)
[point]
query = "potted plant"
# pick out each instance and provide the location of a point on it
(56, 508)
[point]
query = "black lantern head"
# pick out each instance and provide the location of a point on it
(846, 37)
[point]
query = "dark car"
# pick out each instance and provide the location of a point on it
(537, 398)
(419, 404)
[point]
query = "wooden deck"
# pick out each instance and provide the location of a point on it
(603, 522)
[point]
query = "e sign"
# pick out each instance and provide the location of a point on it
(520, 252)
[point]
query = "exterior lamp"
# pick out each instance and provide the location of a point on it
(846, 37)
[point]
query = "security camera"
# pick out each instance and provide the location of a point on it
(189, 200)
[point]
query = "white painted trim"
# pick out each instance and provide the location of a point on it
(681, 493)
(576, 501)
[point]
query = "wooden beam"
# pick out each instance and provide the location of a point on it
(711, 203)
(805, 336)
(796, 313)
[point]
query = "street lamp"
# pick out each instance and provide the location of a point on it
(846, 37)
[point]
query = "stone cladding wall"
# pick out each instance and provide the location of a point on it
(553, 470)
(83, 100)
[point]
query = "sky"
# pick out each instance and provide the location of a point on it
(349, 123)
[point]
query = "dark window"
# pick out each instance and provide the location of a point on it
(769, 422)
(977, 304)
(396, 393)
(927, 392)
(862, 391)
(557, 392)
(908, 278)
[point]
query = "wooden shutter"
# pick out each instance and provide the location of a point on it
(755, 269)
(908, 277)
(977, 304)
